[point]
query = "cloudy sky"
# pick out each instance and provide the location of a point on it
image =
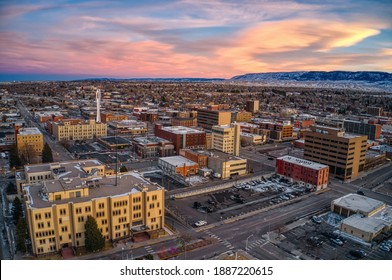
(191, 38)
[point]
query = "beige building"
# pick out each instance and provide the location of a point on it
(78, 131)
(226, 138)
(37, 173)
(226, 166)
(344, 153)
(366, 217)
(29, 143)
(253, 139)
(208, 118)
(56, 210)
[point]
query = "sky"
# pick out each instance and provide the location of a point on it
(191, 38)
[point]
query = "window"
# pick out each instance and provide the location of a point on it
(57, 197)
(87, 209)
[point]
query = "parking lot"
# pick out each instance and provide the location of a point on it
(242, 198)
(324, 241)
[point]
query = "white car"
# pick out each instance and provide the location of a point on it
(200, 223)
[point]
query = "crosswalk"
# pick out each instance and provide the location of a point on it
(256, 243)
(224, 242)
(149, 249)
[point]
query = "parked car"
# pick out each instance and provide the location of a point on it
(358, 253)
(200, 223)
(337, 241)
(316, 219)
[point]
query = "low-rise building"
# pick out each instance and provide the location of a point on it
(182, 137)
(178, 165)
(67, 130)
(129, 127)
(148, 147)
(226, 166)
(312, 174)
(108, 117)
(351, 204)
(253, 139)
(201, 157)
(114, 142)
(365, 218)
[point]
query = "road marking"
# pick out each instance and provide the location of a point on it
(149, 249)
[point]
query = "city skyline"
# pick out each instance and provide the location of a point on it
(206, 39)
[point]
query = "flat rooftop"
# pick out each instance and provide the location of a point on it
(303, 162)
(181, 130)
(127, 183)
(356, 202)
(149, 140)
(178, 161)
(223, 156)
(250, 134)
(72, 168)
(29, 131)
(115, 140)
(367, 224)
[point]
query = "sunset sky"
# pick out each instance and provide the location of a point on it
(191, 38)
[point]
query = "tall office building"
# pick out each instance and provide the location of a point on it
(57, 209)
(226, 138)
(208, 118)
(253, 106)
(373, 131)
(344, 153)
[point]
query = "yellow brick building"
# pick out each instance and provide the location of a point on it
(67, 130)
(226, 138)
(56, 210)
(30, 143)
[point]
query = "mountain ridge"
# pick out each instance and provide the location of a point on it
(333, 76)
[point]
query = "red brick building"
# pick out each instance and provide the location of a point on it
(201, 159)
(182, 137)
(313, 174)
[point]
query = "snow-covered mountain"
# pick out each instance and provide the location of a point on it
(307, 76)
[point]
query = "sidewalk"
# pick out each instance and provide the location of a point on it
(126, 245)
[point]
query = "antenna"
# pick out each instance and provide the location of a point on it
(98, 99)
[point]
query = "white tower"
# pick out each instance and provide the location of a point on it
(98, 99)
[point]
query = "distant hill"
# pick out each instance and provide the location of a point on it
(183, 80)
(310, 76)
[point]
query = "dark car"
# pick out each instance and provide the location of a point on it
(360, 193)
(358, 253)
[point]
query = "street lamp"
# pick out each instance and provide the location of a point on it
(122, 253)
(246, 246)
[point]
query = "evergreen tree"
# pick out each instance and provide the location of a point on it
(11, 188)
(17, 210)
(14, 158)
(123, 169)
(21, 235)
(94, 239)
(47, 155)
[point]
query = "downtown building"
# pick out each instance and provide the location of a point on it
(253, 106)
(373, 131)
(226, 138)
(344, 153)
(57, 209)
(313, 175)
(78, 130)
(182, 137)
(29, 143)
(207, 118)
